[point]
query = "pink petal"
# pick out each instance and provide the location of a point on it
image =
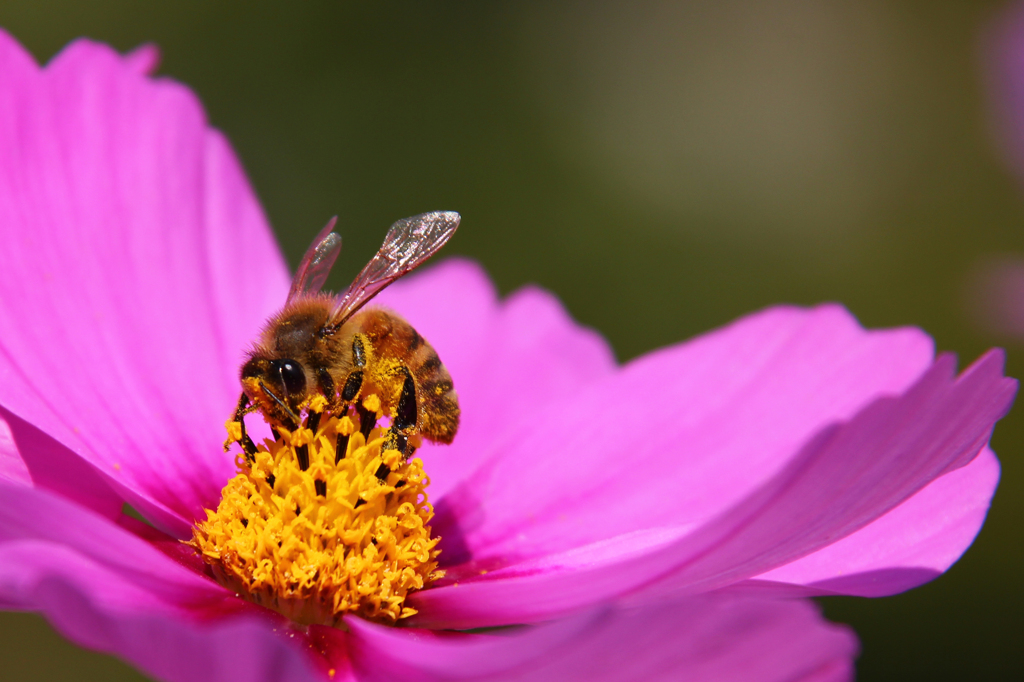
(853, 474)
(678, 435)
(144, 59)
(168, 643)
(508, 359)
(827, 490)
(36, 515)
(912, 544)
(138, 264)
(706, 638)
(109, 590)
(12, 467)
(48, 464)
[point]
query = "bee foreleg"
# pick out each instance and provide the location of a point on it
(248, 447)
(326, 382)
(354, 381)
(352, 386)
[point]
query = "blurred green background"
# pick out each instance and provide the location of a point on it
(664, 167)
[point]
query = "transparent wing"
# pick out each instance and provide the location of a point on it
(409, 242)
(317, 262)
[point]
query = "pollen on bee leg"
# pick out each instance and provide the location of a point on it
(234, 431)
(347, 533)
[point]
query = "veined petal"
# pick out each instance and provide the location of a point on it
(711, 638)
(677, 436)
(33, 458)
(842, 479)
(33, 514)
(12, 467)
(95, 607)
(853, 474)
(137, 266)
(912, 544)
(109, 590)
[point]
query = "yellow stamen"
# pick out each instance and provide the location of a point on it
(332, 539)
(372, 403)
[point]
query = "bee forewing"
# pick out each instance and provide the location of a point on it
(408, 243)
(317, 262)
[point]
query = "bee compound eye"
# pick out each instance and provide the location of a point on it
(292, 376)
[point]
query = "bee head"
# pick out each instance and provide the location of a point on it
(278, 386)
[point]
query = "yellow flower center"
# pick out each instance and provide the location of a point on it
(324, 523)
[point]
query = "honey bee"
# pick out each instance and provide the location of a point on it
(330, 345)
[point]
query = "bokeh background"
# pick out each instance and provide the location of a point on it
(664, 167)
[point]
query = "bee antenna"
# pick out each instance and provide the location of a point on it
(280, 403)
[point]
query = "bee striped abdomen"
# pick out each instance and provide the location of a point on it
(439, 406)
(397, 344)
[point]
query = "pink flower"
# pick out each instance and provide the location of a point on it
(637, 521)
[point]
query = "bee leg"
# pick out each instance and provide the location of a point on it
(358, 351)
(326, 382)
(396, 441)
(367, 419)
(352, 386)
(248, 447)
(354, 383)
(302, 451)
(405, 416)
